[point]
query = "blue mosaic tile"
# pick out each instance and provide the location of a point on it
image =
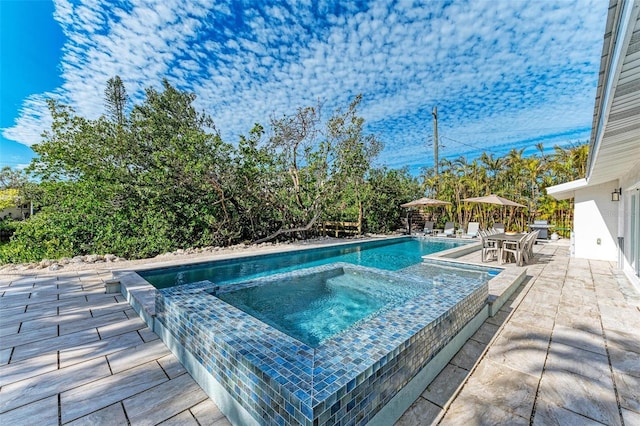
(346, 379)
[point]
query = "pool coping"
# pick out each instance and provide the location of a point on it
(501, 287)
(141, 295)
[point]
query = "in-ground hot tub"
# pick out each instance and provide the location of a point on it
(347, 375)
(314, 305)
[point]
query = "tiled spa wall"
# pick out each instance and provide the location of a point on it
(346, 380)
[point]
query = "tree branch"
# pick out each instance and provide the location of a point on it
(281, 231)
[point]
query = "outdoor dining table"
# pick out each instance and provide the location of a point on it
(502, 237)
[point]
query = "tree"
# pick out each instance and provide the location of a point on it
(355, 153)
(9, 197)
(387, 189)
(116, 100)
(320, 169)
(255, 184)
(299, 186)
(153, 185)
(12, 179)
(181, 171)
(12, 184)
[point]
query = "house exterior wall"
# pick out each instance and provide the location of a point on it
(630, 184)
(596, 223)
(18, 212)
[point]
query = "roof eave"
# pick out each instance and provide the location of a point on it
(621, 32)
(566, 190)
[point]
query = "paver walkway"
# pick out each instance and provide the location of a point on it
(564, 350)
(71, 354)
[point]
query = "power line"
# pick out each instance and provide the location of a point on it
(462, 143)
(529, 129)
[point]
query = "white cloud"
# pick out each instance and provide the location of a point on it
(33, 121)
(500, 72)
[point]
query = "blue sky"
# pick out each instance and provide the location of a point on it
(503, 73)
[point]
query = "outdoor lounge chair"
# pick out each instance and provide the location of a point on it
(472, 230)
(428, 228)
(449, 230)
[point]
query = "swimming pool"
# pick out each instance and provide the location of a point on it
(390, 254)
(273, 375)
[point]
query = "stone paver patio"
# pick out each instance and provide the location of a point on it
(71, 354)
(565, 349)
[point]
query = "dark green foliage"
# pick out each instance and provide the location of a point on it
(134, 187)
(522, 179)
(160, 178)
(387, 189)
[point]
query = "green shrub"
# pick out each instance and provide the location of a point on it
(37, 238)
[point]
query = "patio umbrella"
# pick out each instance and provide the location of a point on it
(425, 201)
(422, 202)
(493, 199)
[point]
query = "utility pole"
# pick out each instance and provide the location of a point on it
(435, 140)
(435, 148)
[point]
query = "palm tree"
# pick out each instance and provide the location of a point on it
(522, 179)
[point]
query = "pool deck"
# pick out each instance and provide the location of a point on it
(564, 349)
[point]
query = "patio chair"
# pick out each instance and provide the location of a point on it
(527, 253)
(488, 247)
(499, 227)
(472, 230)
(516, 248)
(428, 228)
(449, 229)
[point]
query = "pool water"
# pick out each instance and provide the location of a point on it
(320, 336)
(315, 306)
(392, 255)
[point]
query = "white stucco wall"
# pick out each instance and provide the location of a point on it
(630, 184)
(14, 212)
(596, 218)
